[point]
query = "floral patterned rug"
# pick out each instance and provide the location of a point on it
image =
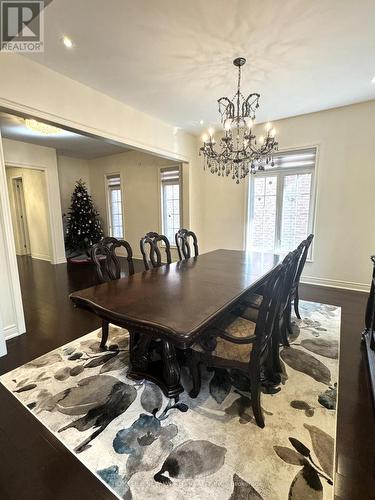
(143, 446)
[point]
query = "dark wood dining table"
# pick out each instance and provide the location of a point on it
(174, 305)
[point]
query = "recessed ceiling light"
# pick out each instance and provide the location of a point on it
(373, 80)
(201, 122)
(67, 42)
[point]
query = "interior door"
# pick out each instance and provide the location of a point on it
(21, 215)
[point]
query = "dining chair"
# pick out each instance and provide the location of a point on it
(152, 256)
(299, 259)
(254, 300)
(108, 268)
(249, 306)
(245, 345)
(294, 297)
(183, 245)
(285, 310)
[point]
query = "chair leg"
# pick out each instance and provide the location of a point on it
(288, 318)
(105, 329)
(255, 388)
(275, 346)
(195, 372)
(296, 301)
(283, 332)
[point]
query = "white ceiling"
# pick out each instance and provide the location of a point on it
(173, 58)
(66, 143)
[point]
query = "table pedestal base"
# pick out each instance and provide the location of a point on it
(164, 372)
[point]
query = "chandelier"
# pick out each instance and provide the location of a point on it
(239, 151)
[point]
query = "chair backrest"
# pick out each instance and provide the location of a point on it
(151, 242)
(305, 245)
(183, 245)
(107, 263)
(269, 311)
(291, 262)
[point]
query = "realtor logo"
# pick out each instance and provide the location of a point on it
(22, 26)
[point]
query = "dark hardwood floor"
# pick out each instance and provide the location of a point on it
(35, 465)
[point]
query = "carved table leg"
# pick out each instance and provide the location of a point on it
(139, 352)
(171, 368)
(193, 364)
(165, 372)
(133, 339)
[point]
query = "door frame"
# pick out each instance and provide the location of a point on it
(52, 240)
(6, 227)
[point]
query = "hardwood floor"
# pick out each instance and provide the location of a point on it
(34, 464)
(355, 464)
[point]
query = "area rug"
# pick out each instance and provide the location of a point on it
(143, 446)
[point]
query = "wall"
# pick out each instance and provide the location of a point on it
(345, 221)
(21, 154)
(36, 204)
(140, 189)
(71, 170)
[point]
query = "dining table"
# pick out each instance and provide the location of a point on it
(173, 305)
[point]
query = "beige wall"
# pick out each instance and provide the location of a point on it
(36, 204)
(345, 220)
(70, 171)
(140, 189)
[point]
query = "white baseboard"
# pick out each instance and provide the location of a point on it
(61, 260)
(137, 256)
(10, 331)
(346, 285)
(41, 256)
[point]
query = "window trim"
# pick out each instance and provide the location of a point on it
(161, 197)
(108, 202)
(313, 197)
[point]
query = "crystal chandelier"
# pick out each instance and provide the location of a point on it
(239, 151)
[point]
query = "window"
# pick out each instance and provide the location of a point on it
(281, 202)
(115, 221)
(170, 179)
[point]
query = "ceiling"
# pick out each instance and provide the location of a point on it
(66, 143)
(173, 59)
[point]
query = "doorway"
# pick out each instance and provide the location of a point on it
(21, 227)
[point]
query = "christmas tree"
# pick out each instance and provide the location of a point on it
(83, 224)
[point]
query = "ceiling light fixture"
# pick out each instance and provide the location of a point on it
(42, 128)
(238, 152)
(67, 42)
(373, 80)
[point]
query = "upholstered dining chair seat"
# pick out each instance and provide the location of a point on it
(253, 300)
(228, 350)
(236, 327)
